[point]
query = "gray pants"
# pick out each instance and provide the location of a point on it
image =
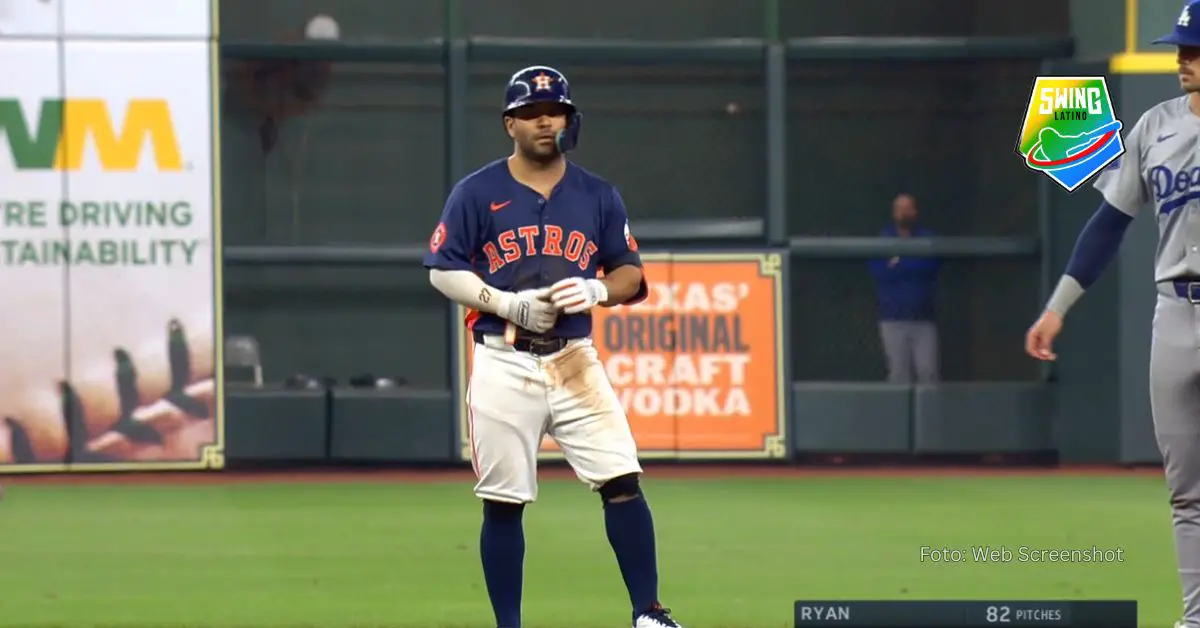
(1175, 405)
(912, 351)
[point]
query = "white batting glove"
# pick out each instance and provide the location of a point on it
(577, 295)
(529, 309)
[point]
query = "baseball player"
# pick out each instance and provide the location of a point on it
(1159, 169)
(519, 244)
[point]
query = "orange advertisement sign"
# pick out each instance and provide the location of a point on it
(699, 365)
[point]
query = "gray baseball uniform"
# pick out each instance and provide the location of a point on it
(1161, 169)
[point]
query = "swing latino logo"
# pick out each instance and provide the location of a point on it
(1070, 132)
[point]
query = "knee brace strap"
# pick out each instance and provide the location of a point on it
(500, 511)
(622, 488)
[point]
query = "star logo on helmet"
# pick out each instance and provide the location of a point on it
(542, 82)
(1185, 17)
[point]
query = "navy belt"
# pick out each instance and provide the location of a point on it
(1188, 288)
(533, 344)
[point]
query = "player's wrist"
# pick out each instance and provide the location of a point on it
(601, 288)
(1065, 295)
(504, 301)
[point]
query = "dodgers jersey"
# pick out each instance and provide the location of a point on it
(1161, 168)
(515, 239)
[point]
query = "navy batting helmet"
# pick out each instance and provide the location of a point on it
(1187, 27)
(540, 83)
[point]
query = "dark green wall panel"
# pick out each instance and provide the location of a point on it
(1156, 18)
(373, 19)
(392, 426)
(982, 418)
(617, 19)
(1098, 27)
(270, 424)
(851, 418)
(809, 18)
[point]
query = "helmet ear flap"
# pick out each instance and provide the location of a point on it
(568, 138)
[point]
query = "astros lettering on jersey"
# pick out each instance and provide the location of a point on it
(516, 239)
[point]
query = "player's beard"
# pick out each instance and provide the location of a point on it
(538, 153)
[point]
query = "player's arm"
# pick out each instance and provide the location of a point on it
(1094, 250)
(459, 233)
(1124, 194)
(451, 269)
(624, 276)
(623, 284)
(623, 281)
(449, 259)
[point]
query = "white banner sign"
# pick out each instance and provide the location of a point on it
(107, 241)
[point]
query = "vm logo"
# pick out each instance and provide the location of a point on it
(58, 137)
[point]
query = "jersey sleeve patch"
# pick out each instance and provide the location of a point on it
(438, 238)
(629, 239)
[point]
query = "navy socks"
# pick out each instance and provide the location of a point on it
(630, 529)
(631, 533)
(502, 550)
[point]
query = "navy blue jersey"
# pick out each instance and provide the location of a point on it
(515, 239)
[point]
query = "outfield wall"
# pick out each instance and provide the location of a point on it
(312, 170)
(851, 421)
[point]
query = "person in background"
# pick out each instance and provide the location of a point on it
(906, 288)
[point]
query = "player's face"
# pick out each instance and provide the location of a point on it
(1189, 68)
(534, 127)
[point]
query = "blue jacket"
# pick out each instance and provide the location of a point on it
(906, 291)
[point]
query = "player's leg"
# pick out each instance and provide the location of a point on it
(926, 360)
(507, 413)
(1175, 405)
(590, 426)
(894, 336)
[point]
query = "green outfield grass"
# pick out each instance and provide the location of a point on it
(733, 552)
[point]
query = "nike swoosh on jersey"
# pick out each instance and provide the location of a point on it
(499, 206)
(1163, 138)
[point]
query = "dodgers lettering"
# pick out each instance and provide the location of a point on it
(824, 613)
(1173, 189)
(513, 244)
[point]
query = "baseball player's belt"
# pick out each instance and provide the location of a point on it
(1188, 288)
(537, 345)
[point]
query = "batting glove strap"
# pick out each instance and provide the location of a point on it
(530, 309)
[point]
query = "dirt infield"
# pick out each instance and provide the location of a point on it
(697, 472)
